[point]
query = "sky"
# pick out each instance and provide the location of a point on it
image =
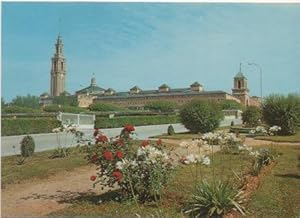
(148, 44)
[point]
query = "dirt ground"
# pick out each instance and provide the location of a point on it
(41, 196)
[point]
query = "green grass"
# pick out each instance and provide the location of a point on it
(279, 192)
(173, 199)
(292, 138)
(38, 166)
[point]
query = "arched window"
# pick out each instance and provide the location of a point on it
(239, 84)
(62, 65)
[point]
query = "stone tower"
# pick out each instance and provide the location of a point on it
(240, 89)
(58, 69)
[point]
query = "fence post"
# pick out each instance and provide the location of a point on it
(78, 120)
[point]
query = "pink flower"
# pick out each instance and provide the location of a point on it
(119, 154)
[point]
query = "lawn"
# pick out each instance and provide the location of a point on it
(39, 166)
(279, 192)
(292, 138)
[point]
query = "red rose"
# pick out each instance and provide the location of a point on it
(95, 158)
(118, 175)
(129, 128)
(101, 138)
(145, 143)
(93, 178)
(108, 155)
(159, 142)
(119, 154)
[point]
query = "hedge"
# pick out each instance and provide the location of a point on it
(23, 126)
(104, 122)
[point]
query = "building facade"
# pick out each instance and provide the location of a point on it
(137, 98)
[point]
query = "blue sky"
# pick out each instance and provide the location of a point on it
(147, 44)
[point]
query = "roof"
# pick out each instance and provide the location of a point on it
(135, 88)
(110, 90)
(92, 89)
(196, 84)
(186, 92)
(163, 86)
(240, 75)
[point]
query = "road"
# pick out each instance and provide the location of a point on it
(49, 141)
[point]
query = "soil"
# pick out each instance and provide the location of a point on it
(39, 197)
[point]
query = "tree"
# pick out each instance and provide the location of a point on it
(251, 116)
(162, 106)
(283, 111)
(104, 107)
(231, 105)
(65, 99)
(28, 101)
(201, 116)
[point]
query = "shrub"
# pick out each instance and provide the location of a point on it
(28, 101)
(12, 109)
(251, 116)
(214, 199)
(63, 108)
(283, 111)
(105, 122)
(201, 116)
(231, 105)
(63, 99)
(140, 174)
(27, 146)
(263, 157)
(22, 126)
(171, 130)
(161, 106)
(104, 107)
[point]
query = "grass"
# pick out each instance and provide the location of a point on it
(279, 192)
(38, 166)
(173, 199)
(292, 138)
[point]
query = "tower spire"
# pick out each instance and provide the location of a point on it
(240, 67)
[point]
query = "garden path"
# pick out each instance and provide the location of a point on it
(39, 197)
(254, 142)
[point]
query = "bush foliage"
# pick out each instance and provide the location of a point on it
(251, 116)
(161, 106)
(104, 107)
(12, 109)
(201, 116)
(63, 108)
(28, 101)
(171, 130)
(283, 111)
(21, 126)
(65, 100)
(104, 122)
(27, 146)
(231, 105)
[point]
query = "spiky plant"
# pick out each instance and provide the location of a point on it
(215, 199)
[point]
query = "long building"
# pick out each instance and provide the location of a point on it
(136, 98)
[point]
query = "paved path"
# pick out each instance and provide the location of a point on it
(48, 141)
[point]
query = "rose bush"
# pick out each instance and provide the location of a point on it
(140, 173)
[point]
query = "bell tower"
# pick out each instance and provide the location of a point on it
(240, 87)
(58, 69)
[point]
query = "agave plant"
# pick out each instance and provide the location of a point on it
(215, 199)
(264, 157)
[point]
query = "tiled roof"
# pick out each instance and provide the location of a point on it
(91, 89)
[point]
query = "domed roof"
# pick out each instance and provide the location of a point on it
(240, 75)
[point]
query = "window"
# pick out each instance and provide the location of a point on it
(239, 84)
(62, 65)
